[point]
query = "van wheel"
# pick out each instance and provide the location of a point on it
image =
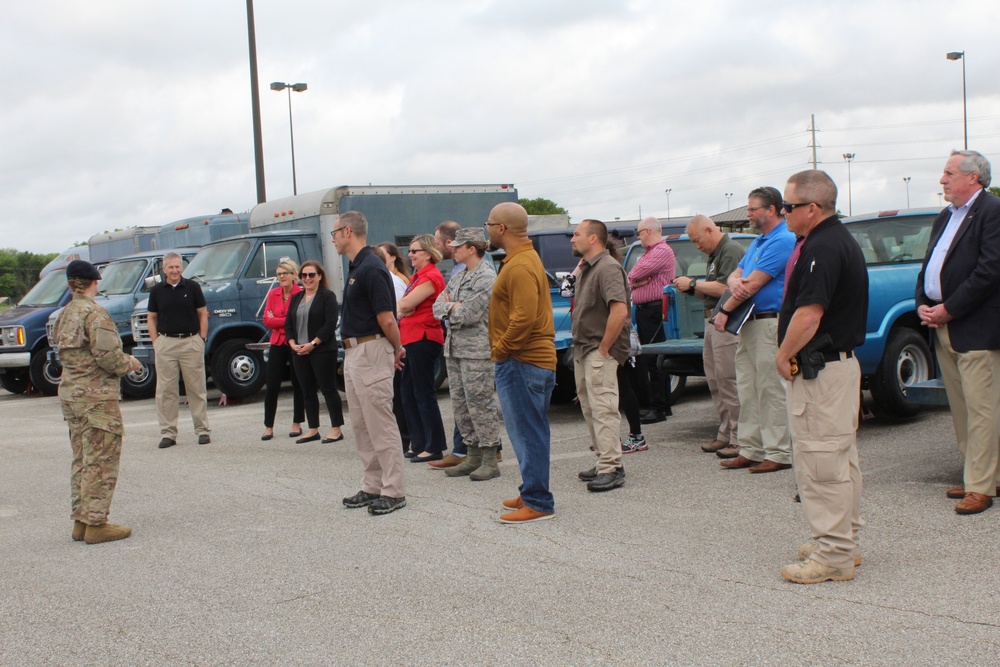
(677, 384)
(141, 383)
(14, 380)
(45, 375)
(906, 361)
(237, 371)
(440, 373)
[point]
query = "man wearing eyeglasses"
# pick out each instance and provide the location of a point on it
(822, 320)
(958, 297)
(372, 351)
(763, 437)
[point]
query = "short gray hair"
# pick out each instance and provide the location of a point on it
(815, 186)
(172, 255)
(975, 163)
(357, 221)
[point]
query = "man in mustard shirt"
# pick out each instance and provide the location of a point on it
(522, 347)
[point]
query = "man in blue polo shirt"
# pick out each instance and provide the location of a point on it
(765, 445)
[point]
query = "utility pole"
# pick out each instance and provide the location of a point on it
(258, 142)
(812, 132)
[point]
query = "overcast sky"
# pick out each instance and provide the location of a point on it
(116, 114)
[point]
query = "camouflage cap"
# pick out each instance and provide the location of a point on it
(79, 268)
(473, 235)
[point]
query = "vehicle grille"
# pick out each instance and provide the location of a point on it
(140, 329)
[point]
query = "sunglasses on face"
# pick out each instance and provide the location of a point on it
(791, 207)
(308, 275)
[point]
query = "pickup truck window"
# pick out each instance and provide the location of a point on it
(688, 260)
(893, 240)
(47, 292)
(274, 253)
(218, 262)
(121, 277)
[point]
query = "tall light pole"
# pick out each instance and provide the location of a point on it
(960, 55)
(668, 191)
(906, 179)
(729, 196)
(299, 88)
(940, 202)
(258, 143)
(850, 202)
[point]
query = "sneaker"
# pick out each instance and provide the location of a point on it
(634, 443)
(361, 499)
(386, 505)
(730, 452)
(588, 475)
(513, 503)
(525, 515)
(812, 572)
(607, 480)
(807, 549)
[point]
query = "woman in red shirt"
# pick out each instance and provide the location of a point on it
(279, 357)
(423, 337)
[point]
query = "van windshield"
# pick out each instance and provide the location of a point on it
(121, 277)
(48, 291)
(218, 262)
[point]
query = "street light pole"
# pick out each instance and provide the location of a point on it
(850, 202)
(258, 143)
(960, 55)
(299, 88)
(729, 196)
(669, 190)
(906, 179)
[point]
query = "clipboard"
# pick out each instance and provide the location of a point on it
(739, 315)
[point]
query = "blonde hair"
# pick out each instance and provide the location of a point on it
(290, 266)
(427, 244)
(79, 285)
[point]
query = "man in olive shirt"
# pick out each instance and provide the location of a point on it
(601, 329)
(522, 348)
(724, 255)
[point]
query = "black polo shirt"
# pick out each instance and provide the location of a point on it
(176, 306)
(368, 292)
(830, 272)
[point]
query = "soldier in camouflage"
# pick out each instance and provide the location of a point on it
(93, 361)
(464, 304)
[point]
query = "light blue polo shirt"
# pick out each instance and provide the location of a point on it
(769, 253)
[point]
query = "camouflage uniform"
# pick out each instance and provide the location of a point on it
(92, 360)
(467, 354)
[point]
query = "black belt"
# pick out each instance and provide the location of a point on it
(649, 304)
(833, 355)
(763, 316)
(177, 335)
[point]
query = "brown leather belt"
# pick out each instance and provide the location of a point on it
(348, 343)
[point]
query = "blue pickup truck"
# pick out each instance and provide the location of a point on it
(895, 354)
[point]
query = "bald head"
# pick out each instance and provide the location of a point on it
(649, 232)
(508, 225)
(704, 233)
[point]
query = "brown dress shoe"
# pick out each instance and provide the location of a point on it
(730, 452)
(739, 462)
(958, 492)
(449, 461)
(974, 503)
(770, 466)
(714, 446)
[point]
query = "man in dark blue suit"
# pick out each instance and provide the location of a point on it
(958, 295)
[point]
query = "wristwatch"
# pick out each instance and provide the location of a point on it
(694, 281)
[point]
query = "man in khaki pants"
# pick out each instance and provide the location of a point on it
(822, 320)
(601, 329)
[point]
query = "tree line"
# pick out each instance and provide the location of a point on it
(19, 271)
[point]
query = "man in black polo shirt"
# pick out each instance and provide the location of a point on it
(822, 320)
(372, 351)
(178, 325)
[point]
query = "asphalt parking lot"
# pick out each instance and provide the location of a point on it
(243, 555)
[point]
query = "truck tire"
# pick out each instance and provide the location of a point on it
(565, 389)
(677, 384)
(237, 371)
(140, 384)
(45, 375)
(15, 380)
(440, 373)
(906, 360)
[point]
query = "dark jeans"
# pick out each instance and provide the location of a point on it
(423, 417)
(628, 404)
(651, 387)
(318, 371)
(278, 359)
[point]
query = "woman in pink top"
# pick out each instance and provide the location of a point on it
(423, 337)
(279, 357)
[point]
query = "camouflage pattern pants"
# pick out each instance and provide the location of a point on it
(95, 432)
(473, 397)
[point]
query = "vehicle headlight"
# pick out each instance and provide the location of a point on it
(12, 336)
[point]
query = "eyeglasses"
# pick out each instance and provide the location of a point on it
(754, 209)
(282, 273)
(492, 224)
(308, 275)
(791, 207)
(639, 232)
(414, 251)
(337, 229)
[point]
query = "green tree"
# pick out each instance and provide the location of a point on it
(542, 206)
(995, 190)
(19, 271)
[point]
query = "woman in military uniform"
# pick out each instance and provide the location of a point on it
(93, 361)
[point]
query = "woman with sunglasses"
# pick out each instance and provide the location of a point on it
(310, 327)
(423, 337)
(279, 357)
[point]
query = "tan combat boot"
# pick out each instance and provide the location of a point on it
(472, 461)
(489, 469)
(106, 532)
(79, 528)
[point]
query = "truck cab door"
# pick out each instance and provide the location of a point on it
(259, 276)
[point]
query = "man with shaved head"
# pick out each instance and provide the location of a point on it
(653, 272)
(724, 256)
(523, 350)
